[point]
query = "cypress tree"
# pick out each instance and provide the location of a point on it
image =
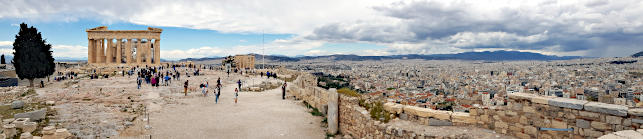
(32, 55)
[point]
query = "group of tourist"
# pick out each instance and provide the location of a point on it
(269, 74)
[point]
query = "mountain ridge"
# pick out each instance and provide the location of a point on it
(485, 56)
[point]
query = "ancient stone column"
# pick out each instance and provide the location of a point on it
(90, 51)
(118, 50)
(97, 52)
(333, 111)
(157, 51)
(148, 52)
(128, 51)
(139, 55)
(108, 55)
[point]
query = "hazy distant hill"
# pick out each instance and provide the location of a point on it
(638, 54)
(486, 55)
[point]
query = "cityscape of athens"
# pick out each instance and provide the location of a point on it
(333, 69)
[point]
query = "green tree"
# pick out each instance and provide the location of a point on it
(2, 60)
(32, 55)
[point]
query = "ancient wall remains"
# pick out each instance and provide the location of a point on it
(523, 117)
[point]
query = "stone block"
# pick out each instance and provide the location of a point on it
(33, 115)
(501, 125)
(520, 96)
(528, 109)
(611, 136)
(567, 103)
(473, 112)
(558, 124)
(511, 113)
(611, 109)
(18, 104)
(613, 120)
(523, 136)
(639, 121)
(437, 122)
(9, 130)
(461, 117)
(588, 114)
(484, 118)
(582, 123)
(600, 125)
(592, 133)
(627, 122)
(531, 130)
(523, 120)
(404, 116)
(631, 134)
(541, 99)
(442, 115)
(635, 111)
(393, 107)
(29, 127)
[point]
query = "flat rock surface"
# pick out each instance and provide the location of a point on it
(256, 115)
(448, 131)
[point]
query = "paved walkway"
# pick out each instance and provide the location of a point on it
(256, 115)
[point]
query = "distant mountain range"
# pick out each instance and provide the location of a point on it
(485, 56)
(638, 54)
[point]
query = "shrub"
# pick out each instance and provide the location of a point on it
(348, 91)
(378, 113)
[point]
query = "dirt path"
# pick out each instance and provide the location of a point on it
(256, 115)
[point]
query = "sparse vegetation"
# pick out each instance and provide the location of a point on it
(348, 91)
(376, 110)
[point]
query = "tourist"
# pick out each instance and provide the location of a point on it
(203, 89)
(217, 92)
(42, 84)
(167, 80)
(219, 81)
(239, 82)
(261, 74)
(185, 88)
(283, 91)
(139, 81)
(236, 95)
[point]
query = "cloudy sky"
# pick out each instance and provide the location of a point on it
(192, 28)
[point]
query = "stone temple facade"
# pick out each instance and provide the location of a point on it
(239, 62)
(117, 47)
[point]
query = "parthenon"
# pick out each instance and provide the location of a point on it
(131, 47)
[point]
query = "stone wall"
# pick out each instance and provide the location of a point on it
(525, 114)
(523, 117)
(305, 88)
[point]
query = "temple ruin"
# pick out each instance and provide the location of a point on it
(131, 47)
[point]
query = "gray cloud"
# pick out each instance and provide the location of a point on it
(589, 27)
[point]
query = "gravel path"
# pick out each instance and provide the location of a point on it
(256, 115)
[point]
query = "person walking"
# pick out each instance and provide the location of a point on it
(139, 81)
(203, 89)
(283, 91)
(217, 92)
(239, 82)
(185, 88)
(236, 95)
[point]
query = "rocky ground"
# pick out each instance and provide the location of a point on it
(115, 108)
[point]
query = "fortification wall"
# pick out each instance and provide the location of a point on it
(523, 117)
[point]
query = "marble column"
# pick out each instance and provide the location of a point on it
(148, 52)
(90, 52)
(118, 51)
(128, 51)
(108, 55)
(157, 51)
(97, 52)
(138, 51)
